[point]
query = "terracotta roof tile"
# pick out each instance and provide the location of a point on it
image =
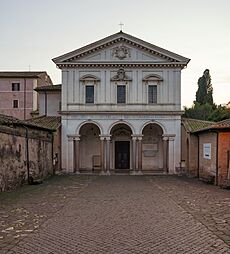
(222, 125)
(21, 74)
(49, 88)
(192, 125)
(49, 122)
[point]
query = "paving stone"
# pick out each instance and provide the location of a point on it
(122, 215)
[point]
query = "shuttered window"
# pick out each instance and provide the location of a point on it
(121, 94)
(152, 93)
(89, 94)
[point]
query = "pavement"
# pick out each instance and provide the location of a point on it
(117, 215)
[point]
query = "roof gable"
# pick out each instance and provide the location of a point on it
(121, 47)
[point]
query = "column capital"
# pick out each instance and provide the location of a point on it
(168, 137)
(70, 137)
(105, 137)
(140, 138)
(137, 136)
(134, 137)
(73, 137)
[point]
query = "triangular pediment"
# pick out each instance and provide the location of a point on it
(120, 48)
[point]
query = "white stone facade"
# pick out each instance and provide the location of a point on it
(139, 132)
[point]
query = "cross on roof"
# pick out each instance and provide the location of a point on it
(121, 25)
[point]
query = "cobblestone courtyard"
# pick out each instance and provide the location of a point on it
(116, 214)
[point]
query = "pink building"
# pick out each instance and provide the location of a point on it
(17, 95)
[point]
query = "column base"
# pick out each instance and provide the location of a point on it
(105, 173)
(136, 173)
(77, 172)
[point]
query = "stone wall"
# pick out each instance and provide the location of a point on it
(189, 152)
(13, 159)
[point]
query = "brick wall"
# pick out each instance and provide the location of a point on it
(223, 164)
(13, 170)
(207, 167)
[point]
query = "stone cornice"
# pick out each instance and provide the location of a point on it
(179, 112)
(179, 65)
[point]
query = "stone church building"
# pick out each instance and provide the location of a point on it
(121, 107)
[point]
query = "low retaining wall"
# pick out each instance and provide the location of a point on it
(13, 155)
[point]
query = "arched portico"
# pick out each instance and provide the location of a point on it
(122, 149)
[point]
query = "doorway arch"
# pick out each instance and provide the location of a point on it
(121, 147)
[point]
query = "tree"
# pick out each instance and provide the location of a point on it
(203, 107)
(205, 90)
(198, 111)
(219, 114)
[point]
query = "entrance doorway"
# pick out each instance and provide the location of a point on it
(122, 154)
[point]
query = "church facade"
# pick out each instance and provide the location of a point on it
(121, 107)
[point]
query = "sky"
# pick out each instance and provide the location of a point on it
(32, 32)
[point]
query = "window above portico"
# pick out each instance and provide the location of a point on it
(151, 88)
(121, 81)
(89, 82)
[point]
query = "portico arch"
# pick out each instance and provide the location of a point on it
(89, 122)
(152, 147)
(121, 122)
(121, 146)
(89, 151)
(156, 123)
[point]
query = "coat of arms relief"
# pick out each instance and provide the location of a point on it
(121, 52)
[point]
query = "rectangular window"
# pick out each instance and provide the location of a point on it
(121, 94)
(15, 103)
(89, 94)
(207, 151)
(15, 86)
(152, 92)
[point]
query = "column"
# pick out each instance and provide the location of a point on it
(171, 162)
(70, 162)
(76, 155)
(102, 148)
(139, 154)
(134, 158)
(107, 155)
(165, 154)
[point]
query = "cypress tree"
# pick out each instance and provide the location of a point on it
(205, 90)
